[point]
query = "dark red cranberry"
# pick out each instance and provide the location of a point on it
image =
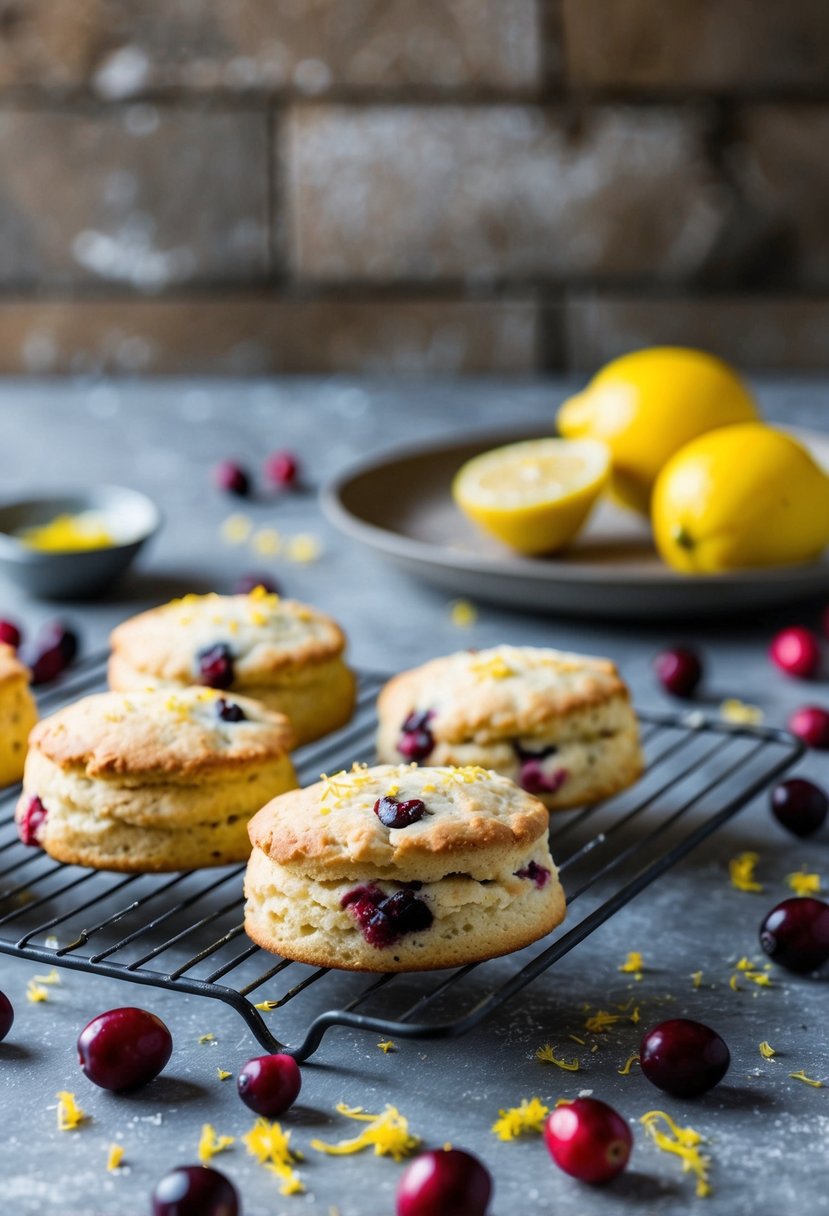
(679, 671)
(811, 724)
(588, 1140)
(448, 1182)
(10, 634)
(269, 1084)
(57, 634)
(683, 1057)
(534, 780)
(216, 665)
(282, 469)
(796, 651)
(6, 1016)
(795, 934)
(30, 824)
(232, 478)
(249, 582)
(45, 665)
(124, 1048)
(229, 711)
(394, 814)
(540, 875)
(195, 1190)
(384, 919)
(416, 740)
(799, 806)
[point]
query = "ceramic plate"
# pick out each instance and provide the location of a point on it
(401, 506)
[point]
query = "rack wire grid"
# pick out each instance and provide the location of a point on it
(185, 931)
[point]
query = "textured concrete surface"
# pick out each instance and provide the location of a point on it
(766, 1132)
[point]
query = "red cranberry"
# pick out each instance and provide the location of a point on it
(588, 1140)
(6, 1016)
(678, 670)
(416, 740)
(384, 919)
(795, 934)
(229, 711)
(796, 651)
(394, 814)
(232, 478)
(811, 724)
(269, 1084)
(799, 806)
(124, 1048)
(282, 469)
(540, 875)
(10, 634)
(216, 665)
(249, 582)
(195, 1190)
(534, 780)
(683, 1057)
(56, 634)
(30, 823)
(448, 1182)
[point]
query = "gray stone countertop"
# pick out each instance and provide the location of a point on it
(766, 1132)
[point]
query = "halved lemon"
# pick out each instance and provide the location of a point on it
(536, 495)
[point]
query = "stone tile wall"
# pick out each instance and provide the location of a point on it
(375, 185)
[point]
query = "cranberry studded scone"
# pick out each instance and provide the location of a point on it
(560, 725)
(284, 654)
(18, 715)
(154, 780)
(400, 868)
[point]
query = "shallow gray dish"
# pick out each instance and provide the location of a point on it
(131, 517)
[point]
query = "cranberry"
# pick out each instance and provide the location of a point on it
(6, 1016)
(282, 469)
(10, 634)
(216, 665)
(56, 634)
(232, 478)
(540, 875)
(796, 651)
(269, 1084)
(683, 1057)
(588, 1140)
(229, 711)
(416, 740)
(447, 1182)
(124, 1048)
(384, 919)
(795, 934)
(799, 806)
(249, 582)
(394, 814)
(534, 780)
(30, 824)
(195, 1190)
(678, 670)
(811, 724)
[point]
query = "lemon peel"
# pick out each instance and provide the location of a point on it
(387, 1133)
(684, 1143)
(804, 884)
(633, 964)
(741, 872)
(546, 1055)
(520, 1120)
(767, 1051)
(210, 1143)
(462, 614)
(801, 1076)
(35, 992)
(115, 1156)
(386, 1045)
(272, 1149)
(224, 1075)
(624, 1071)
(69, 1114)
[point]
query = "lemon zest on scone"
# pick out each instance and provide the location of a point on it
(387, 1133)
(496, 667)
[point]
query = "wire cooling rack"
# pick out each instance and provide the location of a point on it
(185, 932)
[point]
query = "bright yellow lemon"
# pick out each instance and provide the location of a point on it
(534, 496)
(738, 497)
(647, 405)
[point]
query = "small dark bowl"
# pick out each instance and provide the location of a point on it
(131, 517)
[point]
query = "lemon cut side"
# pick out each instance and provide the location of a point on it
(533, 496)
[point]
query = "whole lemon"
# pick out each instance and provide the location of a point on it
(647, 405)
(737, 497)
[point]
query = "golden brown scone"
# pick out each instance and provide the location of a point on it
(280, 652)
(18, 714)
(400, 868)
(152, 781)
(560, 725)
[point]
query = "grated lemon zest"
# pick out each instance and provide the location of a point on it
(207, 1038)
(684, 1143)
(261, 593)
(601, 1020)
(517, 1120)
(223, 1074)
(696, 976)
(114, 1157)
(387, 1133)
(235, 530)
(741, 871)
(267, 542)
(494, 668)
(342, 784)
(804, 884)
(733, 985)
(636, 1016)
(70, 1115)
(546, 1055)
(210, 1144)
(633, 964)
(386, 1045)
(576, 1039)
(734, 710)
(801, 1076)
(624, 1071)
(751, 972)
(266, 1006)
(464, 774)
(767, 1051)
(35, 992)
(462, 614)
(51, 978)
(304, 548)
(272, 1148)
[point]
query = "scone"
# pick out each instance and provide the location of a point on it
(18, 715)
(560, 725)
(154, 780)
(282, 653)
(400, 868)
